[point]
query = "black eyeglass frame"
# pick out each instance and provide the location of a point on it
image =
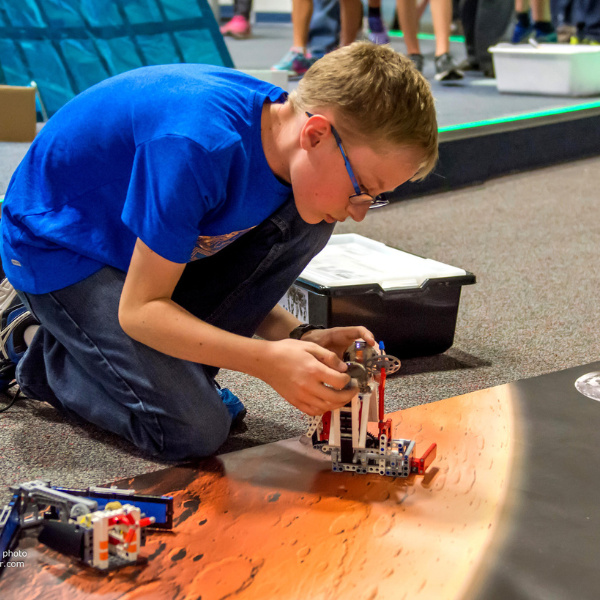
(374, 202)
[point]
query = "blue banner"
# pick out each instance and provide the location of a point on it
(66, 46)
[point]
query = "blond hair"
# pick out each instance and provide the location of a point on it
(377, 97)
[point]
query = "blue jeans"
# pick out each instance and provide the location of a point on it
(82, 362)
(484, 23)
(324, 33)
(586, 14)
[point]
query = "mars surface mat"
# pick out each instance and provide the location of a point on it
(508, 509)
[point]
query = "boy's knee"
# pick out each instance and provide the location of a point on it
(196, 440)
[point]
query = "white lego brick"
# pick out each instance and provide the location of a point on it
(313, 425)
(356, 406)
(334, 430)
(364, 420)
(374, 405)
(133, 548)
(100, 541)
(383, 442)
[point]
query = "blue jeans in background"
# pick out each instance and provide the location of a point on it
(324, 32)
(83, 363)
(586, 15)
(485, 22)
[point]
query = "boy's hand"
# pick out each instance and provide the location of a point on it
(297, 371)
(337, 339)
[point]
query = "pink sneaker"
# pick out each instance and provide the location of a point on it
(238, 28)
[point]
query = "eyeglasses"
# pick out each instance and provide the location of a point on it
(360, 198)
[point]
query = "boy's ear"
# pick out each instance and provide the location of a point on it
(316, 130)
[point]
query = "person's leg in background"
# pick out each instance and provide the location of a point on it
(298, 60)
(351, 17)
(523, 26)
(468, 17)
(301, 15)
(377, 29)
(456, 25)
(324, 31)
(409, 23)
(441, 12)
(493, 20)
(541, 28)
(589, 30)
(562, 18)
(239, 27)
(446, 68)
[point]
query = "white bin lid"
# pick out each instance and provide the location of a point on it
(350, 259)
(551, 49)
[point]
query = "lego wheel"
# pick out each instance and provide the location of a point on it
(79, 510)
(390, 363)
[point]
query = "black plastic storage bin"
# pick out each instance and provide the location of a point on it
(411, 303)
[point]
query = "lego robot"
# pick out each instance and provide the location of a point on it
(71, 522)
(343, 434)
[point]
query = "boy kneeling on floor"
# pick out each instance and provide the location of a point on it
(159, 217)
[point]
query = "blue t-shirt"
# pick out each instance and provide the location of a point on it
(170, 154)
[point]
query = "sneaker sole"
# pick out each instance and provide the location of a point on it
(453, 75)
(238, 36)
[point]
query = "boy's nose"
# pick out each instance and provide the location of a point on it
(357, 211)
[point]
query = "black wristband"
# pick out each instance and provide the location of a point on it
(299, 331)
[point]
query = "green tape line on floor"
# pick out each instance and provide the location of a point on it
(428, 36)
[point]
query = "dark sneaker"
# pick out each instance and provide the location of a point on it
(418, 61)
(488, 71)
(446, 69)
(469, 64)
(16, 320)
(521, 33)
(545, 38)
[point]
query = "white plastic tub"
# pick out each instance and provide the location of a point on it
(548, 69)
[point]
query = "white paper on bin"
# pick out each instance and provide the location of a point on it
(350, 259)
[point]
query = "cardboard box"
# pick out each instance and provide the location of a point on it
(17, 113)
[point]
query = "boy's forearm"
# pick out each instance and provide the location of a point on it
(167, 327)
(278, 324)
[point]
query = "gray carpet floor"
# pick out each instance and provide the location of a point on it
(532, 240)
